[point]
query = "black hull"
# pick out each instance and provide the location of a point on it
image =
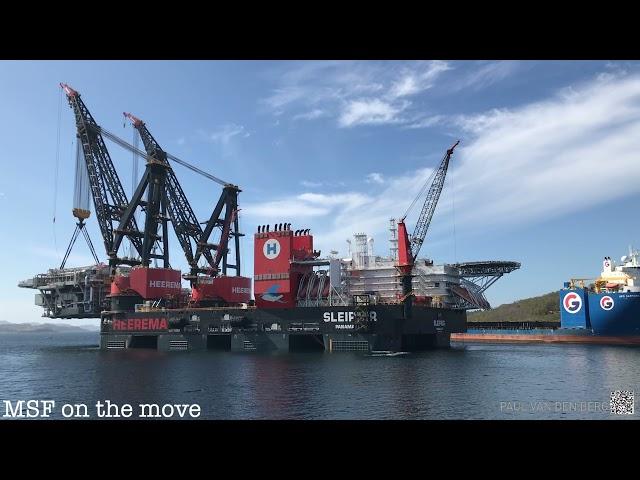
(334, 329)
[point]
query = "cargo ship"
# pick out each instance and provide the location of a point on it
(610, 306)
(605, 311)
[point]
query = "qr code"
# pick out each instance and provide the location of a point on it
(622, 402)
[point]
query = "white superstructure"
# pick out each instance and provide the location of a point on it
(367, 273)
(624, 277)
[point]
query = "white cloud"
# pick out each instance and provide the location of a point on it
(577, 149)
(310, 83)
(347, 201)
(324, 184)
(309, 184)
(311, 115)
(375, 178)
(477, 123)
(414, 81)
(225, 133)
(427, 122)
(407, 85)
(518, 166)
(305, 205)
(355, 93)
(338, 215)
(372, 112)
(288, 209)
(486, 74)
(282, 97)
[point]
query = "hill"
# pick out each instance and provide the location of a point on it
(8, 327)
(545, 308)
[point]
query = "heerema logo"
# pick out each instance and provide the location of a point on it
(240, 290)
(164, 284)
(572, 302)
(140, 324)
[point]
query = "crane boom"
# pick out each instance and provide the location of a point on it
(230, 228)
(107, 191)
(184, 221)
(408, 248)
(429, 207)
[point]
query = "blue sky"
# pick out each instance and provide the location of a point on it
(546, 172)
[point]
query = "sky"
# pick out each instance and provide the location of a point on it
(546, 172)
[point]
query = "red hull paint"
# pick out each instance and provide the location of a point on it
(507, 338)
(152, 283)
(229, 289)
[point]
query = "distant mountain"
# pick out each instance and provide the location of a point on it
(545, 308)
(8, 327)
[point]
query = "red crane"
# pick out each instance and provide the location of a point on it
(409, 247)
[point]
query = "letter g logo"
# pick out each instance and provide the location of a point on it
(606, 302)
(572, 302)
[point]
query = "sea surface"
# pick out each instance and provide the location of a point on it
(482, 381)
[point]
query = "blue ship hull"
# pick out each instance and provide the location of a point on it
(611, 314)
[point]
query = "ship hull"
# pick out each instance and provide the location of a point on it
(559, 336)
(603, 314)
(330, 329)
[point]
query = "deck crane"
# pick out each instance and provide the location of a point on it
(192, 238)
(108, 194)
(409, 247)
(165, 201)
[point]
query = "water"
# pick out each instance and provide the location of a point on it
(465, 382)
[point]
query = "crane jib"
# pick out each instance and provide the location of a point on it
(430, 203)
(192, 238)
(106, 189)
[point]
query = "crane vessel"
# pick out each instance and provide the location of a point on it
(301, 300)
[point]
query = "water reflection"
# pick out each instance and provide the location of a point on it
(463, 382)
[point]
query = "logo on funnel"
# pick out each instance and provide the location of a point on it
(271, 248)
(271, 295)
